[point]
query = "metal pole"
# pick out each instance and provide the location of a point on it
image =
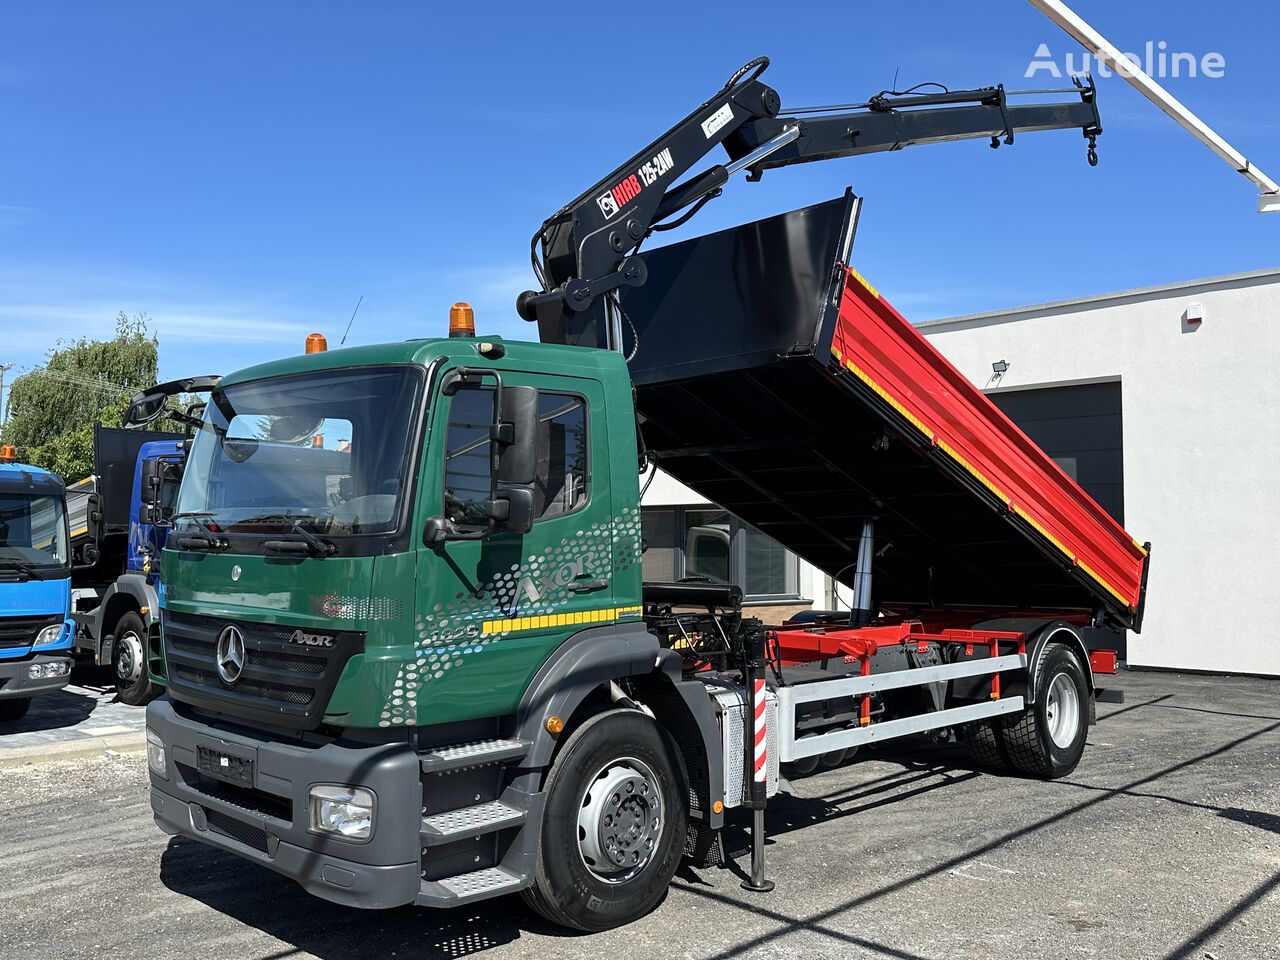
(4, 368)
(1097, 44)
(860, 614)
(757, 756)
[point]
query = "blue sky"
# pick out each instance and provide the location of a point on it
(243, 172)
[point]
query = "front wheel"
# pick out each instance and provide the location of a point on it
(615, 823)
(129, 662)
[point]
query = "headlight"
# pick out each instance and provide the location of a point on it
(49, 634)
(346, 811)
(50, 668)
(155, 754)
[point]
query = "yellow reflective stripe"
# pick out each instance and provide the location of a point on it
(1106, 586)
(76, 533)
(1042, 531)
(548, 620)
(1140, 548)
(863, 280)
(884, 395)
(972, 470)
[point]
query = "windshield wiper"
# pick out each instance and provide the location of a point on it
(305, 538)
(210, 540)
(21, 566)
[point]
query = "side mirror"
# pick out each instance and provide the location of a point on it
(143, 409)
(88, 552)
(517, 459)
(155, 474)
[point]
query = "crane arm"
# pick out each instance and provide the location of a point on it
(586, 251)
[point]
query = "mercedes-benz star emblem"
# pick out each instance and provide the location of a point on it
(229, 654)
(235, 573)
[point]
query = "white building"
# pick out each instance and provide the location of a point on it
(1164, 403)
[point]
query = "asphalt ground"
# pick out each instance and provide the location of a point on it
(1164, 843)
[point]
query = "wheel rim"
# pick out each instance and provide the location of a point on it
(128, 658)
(1062, 710)
(620, 820)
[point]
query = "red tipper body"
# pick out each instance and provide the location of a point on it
(879, 347)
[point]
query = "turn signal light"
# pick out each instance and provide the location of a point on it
(8, 453)
(555, 726)
(462, 320)
(316, 343)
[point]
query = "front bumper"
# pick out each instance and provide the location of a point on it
(268, 822)
(15, 681)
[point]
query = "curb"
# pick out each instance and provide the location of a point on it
(73, 749)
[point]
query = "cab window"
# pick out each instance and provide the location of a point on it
(560, 484)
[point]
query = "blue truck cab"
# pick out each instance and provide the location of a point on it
(116, 576)
(35, 587)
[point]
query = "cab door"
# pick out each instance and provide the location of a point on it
(491, 610)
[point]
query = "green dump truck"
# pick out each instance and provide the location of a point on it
(410, 656)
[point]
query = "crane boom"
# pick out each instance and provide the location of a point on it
(586, 251)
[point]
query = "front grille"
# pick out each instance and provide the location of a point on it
(281, 683)
(22, 631)
(248, 799)
(245, 833)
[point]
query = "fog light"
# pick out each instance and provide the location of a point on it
(49, 634)
(155, 755)
(346, 811)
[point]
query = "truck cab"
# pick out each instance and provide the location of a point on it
(116, 584)
(345, 568)
(35, 592)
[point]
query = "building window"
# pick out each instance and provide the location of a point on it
(714, 544)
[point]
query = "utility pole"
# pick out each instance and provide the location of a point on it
(4, 368)
(1099, 46)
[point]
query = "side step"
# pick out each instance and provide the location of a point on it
(479, 753)
(469, 822)
(466, 887)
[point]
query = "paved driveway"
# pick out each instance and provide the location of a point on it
(83, 714)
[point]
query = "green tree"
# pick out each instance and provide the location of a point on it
(52, 410)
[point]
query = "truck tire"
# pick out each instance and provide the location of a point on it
(614, 828)
(129, 662)
(1048, 739)
(983, 741)
(15, 708)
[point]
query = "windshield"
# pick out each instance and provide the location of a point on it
(323, 451)
(33, 532)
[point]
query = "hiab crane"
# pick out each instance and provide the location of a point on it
(410, 656)
(586, 246)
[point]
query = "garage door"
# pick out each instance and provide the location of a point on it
(1080, 427)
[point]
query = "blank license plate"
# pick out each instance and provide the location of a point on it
(223, 766)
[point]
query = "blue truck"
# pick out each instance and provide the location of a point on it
(116, 586)
(35, 585)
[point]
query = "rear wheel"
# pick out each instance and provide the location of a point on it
(14, 708)
(1048, 738)
(129, 662)
(615, 822)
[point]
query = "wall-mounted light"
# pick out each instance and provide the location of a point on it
(999, 367)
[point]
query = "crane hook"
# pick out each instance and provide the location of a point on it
(1093, 151)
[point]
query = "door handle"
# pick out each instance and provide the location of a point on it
(587, 586)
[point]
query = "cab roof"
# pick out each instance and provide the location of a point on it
(530, 355)
(18, 477)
